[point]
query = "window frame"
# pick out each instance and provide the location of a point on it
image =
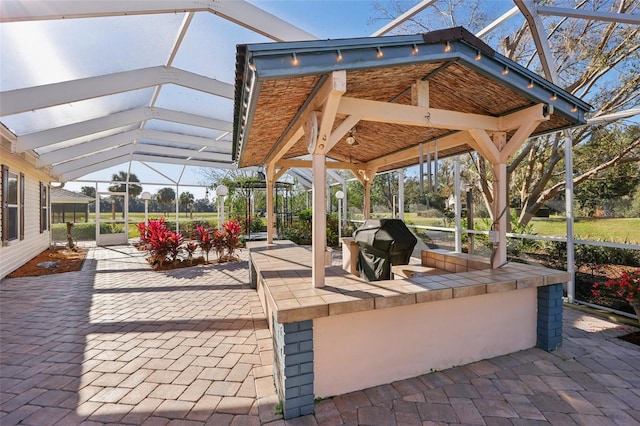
(44, 208)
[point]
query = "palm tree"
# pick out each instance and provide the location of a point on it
(186, 199)
(165, 196)
(121, 176)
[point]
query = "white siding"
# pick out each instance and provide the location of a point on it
(17, 252)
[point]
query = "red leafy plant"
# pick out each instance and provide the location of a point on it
(190, 248)
(232, 231)
(174, 240)
(203, 234)
(626, 286)
(159, 241)
(219, 243)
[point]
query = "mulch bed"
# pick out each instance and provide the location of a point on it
(185, 263)
(67, 261)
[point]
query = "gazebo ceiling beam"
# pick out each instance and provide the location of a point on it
(385, 112)
(306, 164)
(342, 129)
(38, 97)
(481, 142)
(295, 131)
(112, 121)
(338, 84)
(517, 139)
(451, 140)
(239, 12)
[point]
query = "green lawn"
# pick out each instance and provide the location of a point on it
(621, 230)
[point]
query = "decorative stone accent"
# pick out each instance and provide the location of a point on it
(293, 367)
(550, 317)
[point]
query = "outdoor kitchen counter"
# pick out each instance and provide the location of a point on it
(282, 273)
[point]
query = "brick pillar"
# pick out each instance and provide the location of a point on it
(293, 367)
(550, 317)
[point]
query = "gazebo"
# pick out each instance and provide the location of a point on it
(442, 93)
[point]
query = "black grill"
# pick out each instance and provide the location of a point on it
(382, 243)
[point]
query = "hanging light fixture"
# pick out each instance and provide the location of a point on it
(505, 71)
(447, 47)
(530, 85)
(478, 56)
(339, 55)
(351, 139)
(379, 53)
(554, 97)
(294, 59)
(414, 49)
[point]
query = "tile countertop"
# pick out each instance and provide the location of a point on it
(285, 268)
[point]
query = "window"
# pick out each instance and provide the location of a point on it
(12, 188)
(44, 208)
(22, 198)
(10, 220)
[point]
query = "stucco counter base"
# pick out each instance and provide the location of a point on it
(351, 334)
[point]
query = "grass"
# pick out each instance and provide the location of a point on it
(620, 230)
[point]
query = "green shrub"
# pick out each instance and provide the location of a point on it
(257, 225)
(79, 232)
(597, 255)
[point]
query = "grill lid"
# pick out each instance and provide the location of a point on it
(390, 236)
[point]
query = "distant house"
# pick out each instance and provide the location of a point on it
(69, 206)
(24, 212)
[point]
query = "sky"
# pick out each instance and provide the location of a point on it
(322, 18)
(209, 49)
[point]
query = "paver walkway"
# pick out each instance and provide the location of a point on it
(118, 343)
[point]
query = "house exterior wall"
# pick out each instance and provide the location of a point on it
(16, 253)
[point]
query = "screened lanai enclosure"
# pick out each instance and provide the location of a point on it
(310, 93)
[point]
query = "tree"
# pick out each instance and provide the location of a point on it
(603, 189)
(121, 176)
(166, 196)
(203, 205)
(89, 191)
(186, 199)
(596, 61)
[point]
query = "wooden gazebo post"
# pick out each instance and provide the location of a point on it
(270, 175)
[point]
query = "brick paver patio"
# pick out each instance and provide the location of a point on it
(118, 343)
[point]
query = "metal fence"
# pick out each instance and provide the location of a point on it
(589, 260)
